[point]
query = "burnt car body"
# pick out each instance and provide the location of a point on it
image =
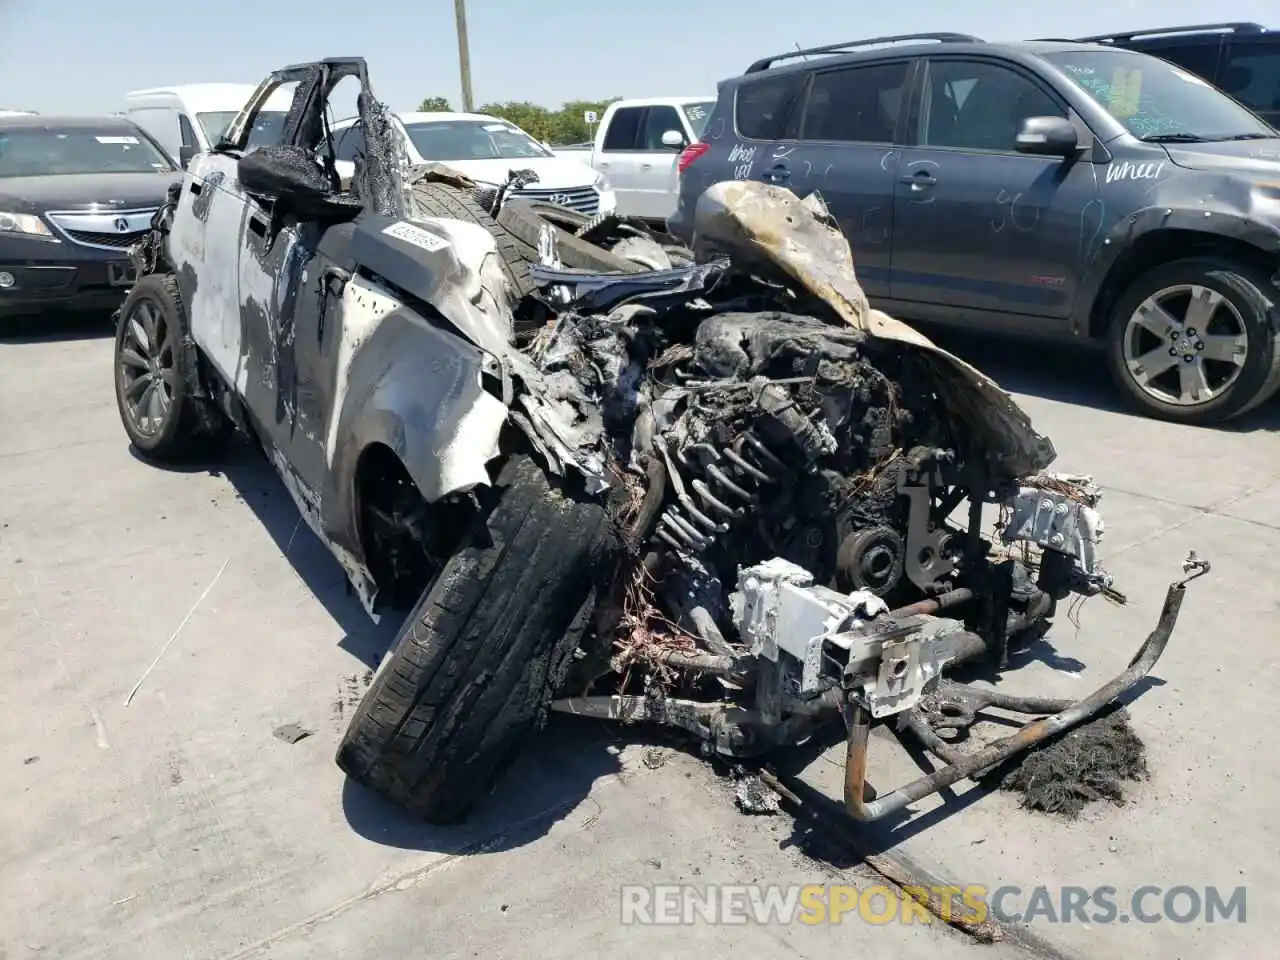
(75, 194)
(712, 489)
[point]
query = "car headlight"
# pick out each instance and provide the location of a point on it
(25, 224)
(602, 183)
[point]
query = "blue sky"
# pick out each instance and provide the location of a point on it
(84, 55)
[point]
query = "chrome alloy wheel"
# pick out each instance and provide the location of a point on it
(1185, 345)
(146, 368)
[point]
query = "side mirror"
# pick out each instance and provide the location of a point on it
(286, 173)
(185, 154)
(673, 139)
(1047, 137)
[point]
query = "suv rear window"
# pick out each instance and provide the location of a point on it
(855, 104)
(765, 109)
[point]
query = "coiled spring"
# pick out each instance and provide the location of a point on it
(725, 483)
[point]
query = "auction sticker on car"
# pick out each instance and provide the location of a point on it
(416, 235)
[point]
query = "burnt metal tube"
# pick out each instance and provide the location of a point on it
(701, 662)
(1031, 734)
(931, 606)
(710, 633)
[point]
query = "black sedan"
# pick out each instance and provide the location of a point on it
(75, 194)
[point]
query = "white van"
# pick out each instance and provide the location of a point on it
(191, 119)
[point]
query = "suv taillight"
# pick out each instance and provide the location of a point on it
(689, 154)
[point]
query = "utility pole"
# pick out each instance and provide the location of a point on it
(464, 55)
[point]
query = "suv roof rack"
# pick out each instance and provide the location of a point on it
(766, 62)
(1175, 31)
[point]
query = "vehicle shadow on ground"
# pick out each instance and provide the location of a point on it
(260, 489)
(1065, 373)
(551, 778)
(47, 327)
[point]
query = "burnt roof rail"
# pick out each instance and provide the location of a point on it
(1247, 28)
(766, 62)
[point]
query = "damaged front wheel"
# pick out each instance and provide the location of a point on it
(478, 659)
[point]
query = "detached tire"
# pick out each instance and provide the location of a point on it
(155, 377)
(433, 199)
(524, 219)
(1193, 341)
(480, 656)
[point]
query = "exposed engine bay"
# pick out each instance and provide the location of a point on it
(807, 481)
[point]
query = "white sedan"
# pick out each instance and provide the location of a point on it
(487, 149)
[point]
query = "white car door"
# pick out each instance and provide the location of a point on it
(657, 180)
(620, 158)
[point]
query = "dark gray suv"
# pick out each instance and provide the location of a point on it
(1057, 189)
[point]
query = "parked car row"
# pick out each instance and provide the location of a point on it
(1065, 189)
(1072, 189)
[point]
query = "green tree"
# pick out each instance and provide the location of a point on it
(533, 119)
(566, 125)
(435, 105)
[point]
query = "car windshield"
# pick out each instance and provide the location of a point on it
(268, 128)
(473, 140)
(698, 114)
(215, 123)
(1154, 100)
(50, 151)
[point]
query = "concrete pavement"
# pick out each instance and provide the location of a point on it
(179, 826)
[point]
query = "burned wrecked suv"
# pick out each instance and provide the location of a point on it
(717, 495)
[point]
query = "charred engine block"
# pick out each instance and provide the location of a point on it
(720, 480)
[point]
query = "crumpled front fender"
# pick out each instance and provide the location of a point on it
(418, 389)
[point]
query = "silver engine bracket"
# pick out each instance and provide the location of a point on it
(849, 640)
(1059, 513)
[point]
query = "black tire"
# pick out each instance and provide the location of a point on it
(525, 219)
(433, 199)
(155, 361)
(480, 656)
(1250, 293)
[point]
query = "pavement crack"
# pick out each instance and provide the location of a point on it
(1215, 510)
